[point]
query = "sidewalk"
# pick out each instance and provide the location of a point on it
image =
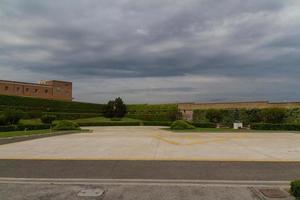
(33, 189)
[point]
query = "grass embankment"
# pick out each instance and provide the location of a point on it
(23, 133)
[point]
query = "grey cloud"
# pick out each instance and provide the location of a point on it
(91, 40)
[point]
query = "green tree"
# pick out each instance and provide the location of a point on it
(120, 108)
(214, 116)
(115, 108)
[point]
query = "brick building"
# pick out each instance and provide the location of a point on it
(52, 89)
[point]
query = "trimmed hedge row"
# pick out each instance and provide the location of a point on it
(204, 125)
(112, 123)
(283, 127)
(71, 116)
(45, 105)
(24, 127)
(227, 117)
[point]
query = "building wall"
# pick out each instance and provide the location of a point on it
(187, 109)
(59, 90)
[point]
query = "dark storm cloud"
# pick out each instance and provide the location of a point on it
(92, 39)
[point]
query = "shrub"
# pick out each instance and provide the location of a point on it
(13, 116)
(3, 120)
(295, 188)
(268, 126)
(181, 125)
(273, 115)
(204, 125)
(66, 125)
(48, 119)
(214, 116)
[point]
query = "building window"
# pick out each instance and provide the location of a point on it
(27, 89)
(18, 89)
(6, 88)
(46, 91)
(36, 90)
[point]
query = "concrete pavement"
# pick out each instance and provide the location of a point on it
(153, 143)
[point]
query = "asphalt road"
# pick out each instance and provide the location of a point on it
(187, 170)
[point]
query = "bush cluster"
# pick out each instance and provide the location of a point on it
(268, 126)
(295, 188)
(181, 125)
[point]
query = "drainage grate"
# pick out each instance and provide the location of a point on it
(91, 193)
(273, 193)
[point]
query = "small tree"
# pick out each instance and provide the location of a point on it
(48, 119)
(214, 116)
(115, 108)
(120, 108)
(109, 109)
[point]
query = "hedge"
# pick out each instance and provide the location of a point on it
(152, 112)
(71, 116)
(248, 116)
(283, 127)
(24, 127)
(45, 105)
(111, 123)
(204, 125)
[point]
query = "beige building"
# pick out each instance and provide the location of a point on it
(52, 89)
(187, 109)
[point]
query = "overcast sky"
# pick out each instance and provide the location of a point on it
(153, 51)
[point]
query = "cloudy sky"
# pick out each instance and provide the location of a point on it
(153, 51)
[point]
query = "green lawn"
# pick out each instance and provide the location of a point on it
(22, 133)
(103, 119)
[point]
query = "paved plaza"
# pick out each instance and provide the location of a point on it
(155, 143)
